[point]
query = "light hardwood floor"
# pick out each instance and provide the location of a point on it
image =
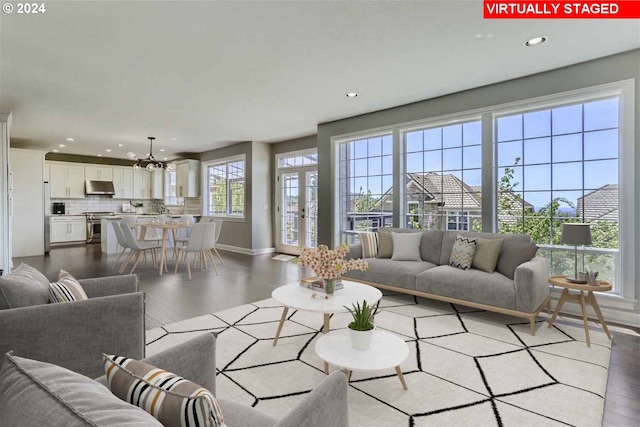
(245, 279)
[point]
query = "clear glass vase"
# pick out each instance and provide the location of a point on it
(329, 286)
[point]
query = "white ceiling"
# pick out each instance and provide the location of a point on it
(213, 73)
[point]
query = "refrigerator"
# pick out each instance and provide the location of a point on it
(47, 216)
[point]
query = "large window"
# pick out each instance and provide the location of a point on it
(444, 177)
(366, 185)
(225, 186)
(559, 165)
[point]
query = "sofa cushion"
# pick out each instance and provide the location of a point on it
(23, 287)
(449, 238)
(431, 246)
(469, 285)
(237, 415)
(406, 246)
(34, 393)
(66, 289)
(393, 273)
(512, 255)
(487, 253)
(167, 396)
(369, 243)
(462, 253)
(385, 244)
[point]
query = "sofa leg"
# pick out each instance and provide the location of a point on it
(533, 326)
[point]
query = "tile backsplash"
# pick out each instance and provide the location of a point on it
(106, 204)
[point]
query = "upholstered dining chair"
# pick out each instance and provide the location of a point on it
(200, 243)
(138, 247)
(218, 222)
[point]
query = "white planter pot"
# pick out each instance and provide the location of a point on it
(360, 340)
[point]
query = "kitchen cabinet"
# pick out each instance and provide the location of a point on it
(66, 180)
(68, 229)
(123, 183)
(157, 184)
(141, 184)
(98, 173)
(187, 173)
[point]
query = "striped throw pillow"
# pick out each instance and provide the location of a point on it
(171, 399)
(462, 253)
(66, 289)
(369, 243)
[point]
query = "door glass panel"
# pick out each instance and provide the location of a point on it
(289, 209)
(311, 209)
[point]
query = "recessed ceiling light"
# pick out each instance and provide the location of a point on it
(351, 94)
(174, 139)
(99, 155)
(56, 151)
(120, 145)
(108, 150)
(535, 41)
(166, 158)
(70, 139)
(162, 149)
(61, 145)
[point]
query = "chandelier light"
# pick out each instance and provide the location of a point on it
(149, 163)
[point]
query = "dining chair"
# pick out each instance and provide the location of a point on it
(186, 220)
(218, 222)
(116, 224)
(138, 247)
(200, 243)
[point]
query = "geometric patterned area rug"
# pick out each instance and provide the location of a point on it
(465, 367)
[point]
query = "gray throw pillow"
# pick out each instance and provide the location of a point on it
(385, 244)
(34, 393)
(406, 246)
(512, 255)
(487, 253)
(23, 287)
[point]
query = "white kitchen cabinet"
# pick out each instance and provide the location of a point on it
(157, 184)
(187, 173)
(66, 180)
(98, 173)
(141, 184)
(123, 183)
(68, 229)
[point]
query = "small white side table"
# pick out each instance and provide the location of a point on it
(387, 351)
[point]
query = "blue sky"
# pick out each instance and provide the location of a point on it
(537, 138)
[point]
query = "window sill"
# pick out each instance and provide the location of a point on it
(228, 218)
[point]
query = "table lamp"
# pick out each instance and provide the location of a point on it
(576, 234)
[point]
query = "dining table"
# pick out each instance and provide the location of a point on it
(172, 226)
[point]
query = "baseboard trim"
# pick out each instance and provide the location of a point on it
(245, 251)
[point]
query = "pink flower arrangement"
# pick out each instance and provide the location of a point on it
(329, 264)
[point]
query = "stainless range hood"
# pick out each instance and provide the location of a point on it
(99, 188)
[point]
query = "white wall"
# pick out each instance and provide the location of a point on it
(27, 226)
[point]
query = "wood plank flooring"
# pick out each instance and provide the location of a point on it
(244, 279)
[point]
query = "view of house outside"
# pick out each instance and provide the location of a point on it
(552, 166)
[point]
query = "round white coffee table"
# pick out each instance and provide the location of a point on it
(300, 298)
(387, 351)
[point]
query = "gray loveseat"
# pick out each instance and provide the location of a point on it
(524, 296)
(75, 334)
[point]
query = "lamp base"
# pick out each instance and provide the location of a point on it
(577, 281)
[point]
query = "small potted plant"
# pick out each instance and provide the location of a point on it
(137, 206)
(362, 327)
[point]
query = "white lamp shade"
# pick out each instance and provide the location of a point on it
(576, 234)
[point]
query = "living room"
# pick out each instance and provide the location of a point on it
(258, 125)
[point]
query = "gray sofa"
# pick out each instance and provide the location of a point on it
(524, 296)
(75, 334)
(44, 400)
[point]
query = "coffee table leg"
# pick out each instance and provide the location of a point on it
(349, 375)
(282, 319)
(584, 318)
(399, 372)
(591, 297)
(325, 330)
(563, 298)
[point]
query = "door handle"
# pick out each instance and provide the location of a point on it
(302, 216)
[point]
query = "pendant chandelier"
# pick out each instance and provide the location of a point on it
(149, 163)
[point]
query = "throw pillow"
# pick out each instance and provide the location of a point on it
(369, 243)
(512, 255)
(171, 399)
(487, 253)
(462, 253)
(406, 246)
(385, 244)
(66, 289)
(34, 393)
(23, 287)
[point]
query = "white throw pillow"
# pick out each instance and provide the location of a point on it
(406, 246)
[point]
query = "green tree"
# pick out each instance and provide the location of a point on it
(365, 202)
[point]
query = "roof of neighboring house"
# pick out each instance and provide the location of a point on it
(602, 203)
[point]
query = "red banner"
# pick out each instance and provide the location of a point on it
(629, 9)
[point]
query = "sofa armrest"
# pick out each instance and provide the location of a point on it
(355, 252)
(75, 334)
(326, 406)
(112, 285)
(532, 284)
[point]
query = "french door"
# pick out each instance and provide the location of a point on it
(297, 209)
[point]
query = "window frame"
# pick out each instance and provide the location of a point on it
(205, 187)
